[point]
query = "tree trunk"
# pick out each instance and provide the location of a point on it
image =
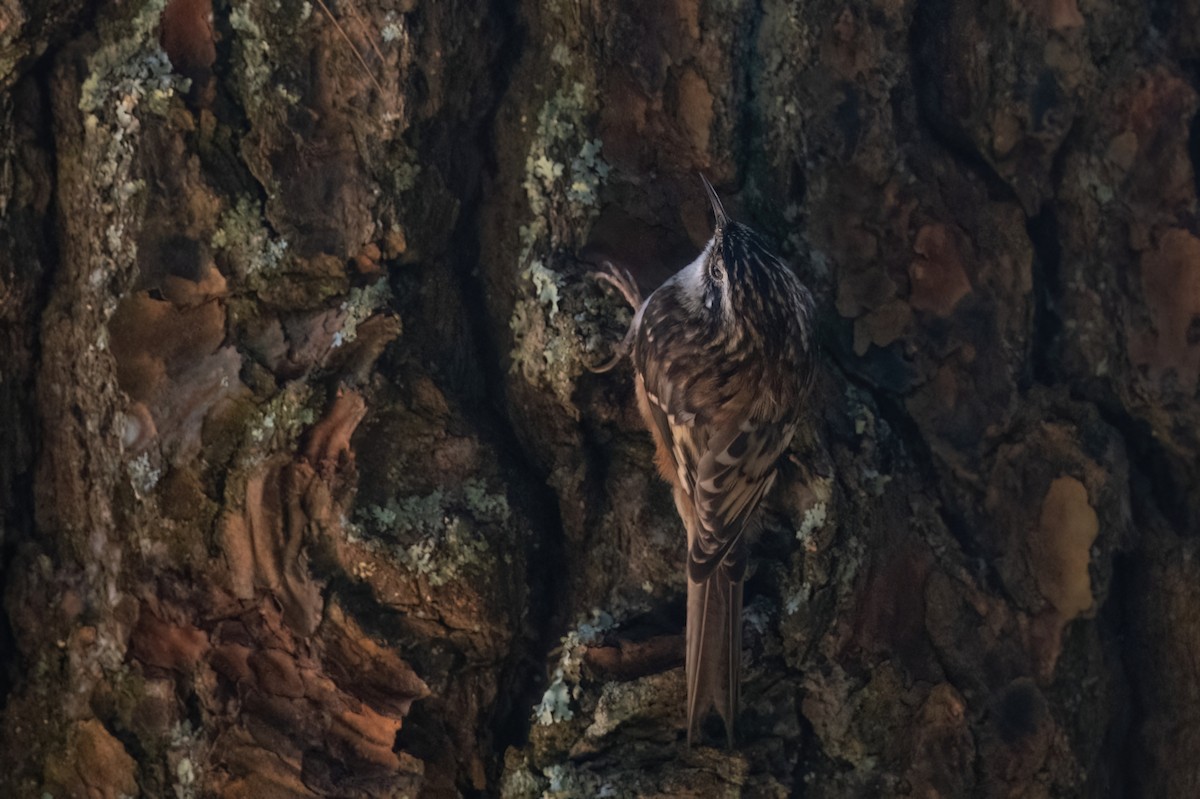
(308, 490)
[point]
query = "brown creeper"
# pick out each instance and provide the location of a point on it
(723, 356)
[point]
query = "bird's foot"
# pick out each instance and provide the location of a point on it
(623, 281)
(621, 351)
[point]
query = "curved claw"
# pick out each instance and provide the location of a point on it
(623, 281)
(607, 365)
(621, 351)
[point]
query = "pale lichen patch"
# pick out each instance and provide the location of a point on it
(440, 535)
(814, 520)
(143, 475)
(564, 683)
(563, 175)
(251, 249)
(358, 306)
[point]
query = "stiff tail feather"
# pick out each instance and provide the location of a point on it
(714, 650)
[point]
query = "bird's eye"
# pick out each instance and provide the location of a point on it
(716, 271)
(716, 283)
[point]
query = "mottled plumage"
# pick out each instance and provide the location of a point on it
(723, 358)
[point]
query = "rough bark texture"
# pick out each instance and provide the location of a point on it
(308, 492)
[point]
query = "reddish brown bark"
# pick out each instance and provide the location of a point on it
(308, 490)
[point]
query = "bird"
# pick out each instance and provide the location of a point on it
(723, 358)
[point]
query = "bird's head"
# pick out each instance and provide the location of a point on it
(740, 269)
(716, 266)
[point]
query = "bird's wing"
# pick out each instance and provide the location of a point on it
(666, 357)
(733, 473)
(710, 416)
(725, 465)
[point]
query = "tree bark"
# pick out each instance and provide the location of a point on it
(308, 490)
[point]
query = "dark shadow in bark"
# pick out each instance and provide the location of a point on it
(1047, 287)
(1114, 618)
(31, 245)
(480, 387)
(1193, 68)
(926, 50)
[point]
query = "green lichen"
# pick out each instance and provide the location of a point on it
(437, 535)
(405, 175)
(130, 71)
(444, 558)
(392, 31)
(568, 781)
(563, 176)
(588, 171)
(757, 615)
(251, 50)
(520, 782)
(564, 683)
(406, 166)
(546, 283)
(563, 173)
(251, 432)
(358, 306)
(651, 697)
(860, 412)
(186, 757)
(561, 55)
(422, 514)
(10, 55)
(263, 33)
(127, 78)
(143, 475)
(277, 424)
(486, 505)
(251, 249)
(814, 520)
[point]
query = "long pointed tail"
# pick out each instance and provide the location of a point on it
(714, 650)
